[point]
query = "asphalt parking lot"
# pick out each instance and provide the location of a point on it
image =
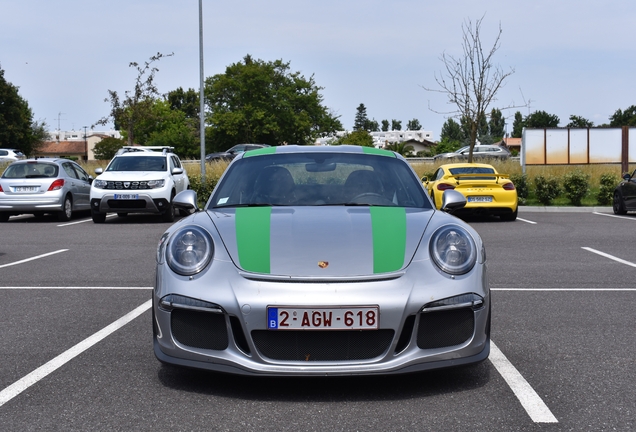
(76, 347)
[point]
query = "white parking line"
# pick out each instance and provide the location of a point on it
(34, 258)
(526, 221)
(614, 216)
(71, 288)
(530, 400)
(27, 381)
(622, 261)
(85, 220)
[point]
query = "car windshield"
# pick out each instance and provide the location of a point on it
(31, 170)
(138, 163)
(319, 179)
(473, 170)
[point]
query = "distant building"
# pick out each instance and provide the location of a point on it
(73, 144)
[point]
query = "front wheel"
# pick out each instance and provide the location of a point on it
(168, 214)
(618, 205)
(98, 217)
(67, 210)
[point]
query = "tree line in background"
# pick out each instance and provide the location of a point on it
(255, 101)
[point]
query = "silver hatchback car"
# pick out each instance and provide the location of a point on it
(39, 186)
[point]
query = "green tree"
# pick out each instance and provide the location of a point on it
(472, 81)
(497, 124)
(396, 125)
(624, 118)
(541, 119)
(452, 131)
(579, 122)
(17, 128)
(413, 125)
(401, 148)
(385, 125)
(360, 138)
(372, 126)
(106, 148)
(361, 121)
(137, 104)
(517, 125)
(264, 102)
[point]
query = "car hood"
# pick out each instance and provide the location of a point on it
(321, 242)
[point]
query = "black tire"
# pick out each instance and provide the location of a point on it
(510, 217)
(168, 214)
(4, 217)
(67, 210)
(618, 205)
(98, 217)
(122, 215)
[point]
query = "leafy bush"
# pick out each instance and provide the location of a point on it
(607, 183)
(203, 187)
(521, 184)
(576, 184)
(546, 189)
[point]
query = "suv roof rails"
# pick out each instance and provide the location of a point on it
(128, 149)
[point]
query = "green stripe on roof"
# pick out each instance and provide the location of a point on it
(260, 152)
(388, 225)
(253, 238)
(380, 152)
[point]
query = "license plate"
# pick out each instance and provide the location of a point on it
(126, 196)
(323, 318)
(26, 188)
(480, 199)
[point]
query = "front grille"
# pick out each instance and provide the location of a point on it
(445, 328)
(197, 329)
(322, 345)
(126, 185)
(127, 204)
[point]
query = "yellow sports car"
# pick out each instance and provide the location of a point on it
(486, 190)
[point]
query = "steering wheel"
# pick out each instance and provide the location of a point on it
(375, 198)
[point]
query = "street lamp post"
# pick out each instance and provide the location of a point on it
(85, 145)
(201, 100)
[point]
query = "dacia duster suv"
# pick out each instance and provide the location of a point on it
(138, 180)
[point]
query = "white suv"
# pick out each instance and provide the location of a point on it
(138, 182)
(10, 155)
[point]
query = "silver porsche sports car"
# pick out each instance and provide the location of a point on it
(320, 261)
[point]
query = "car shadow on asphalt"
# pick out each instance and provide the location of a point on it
(327, 389)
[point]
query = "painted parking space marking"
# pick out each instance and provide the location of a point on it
(71, 288)
(530, 400)
(83, 220)
(612, 257)
(614, 216)
(33, 258)
(526, 221)
(32, 378)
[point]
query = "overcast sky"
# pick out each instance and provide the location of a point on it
(570, 57)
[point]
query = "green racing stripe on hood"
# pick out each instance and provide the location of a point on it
(253, 238)
(389, 238)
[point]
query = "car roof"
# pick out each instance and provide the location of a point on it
(285, 149)
(466, 165)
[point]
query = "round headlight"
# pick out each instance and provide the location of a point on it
(189, 250)
(453, 250)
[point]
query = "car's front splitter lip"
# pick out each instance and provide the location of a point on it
(382, 369)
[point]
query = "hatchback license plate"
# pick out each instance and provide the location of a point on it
(323, 318)
(26, 189)
(480, 199)
(126, 196)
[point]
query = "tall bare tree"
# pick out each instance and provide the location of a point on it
(137, 104)
(471, 81)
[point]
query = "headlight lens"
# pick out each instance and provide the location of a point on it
(154, 184)
(453, 250)
(189, 250)
(101, 184)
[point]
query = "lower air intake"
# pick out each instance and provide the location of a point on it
(318, 345)
(445, 328)
(197, 329)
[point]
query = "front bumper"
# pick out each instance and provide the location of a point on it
(143, 204)
(232, 336)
